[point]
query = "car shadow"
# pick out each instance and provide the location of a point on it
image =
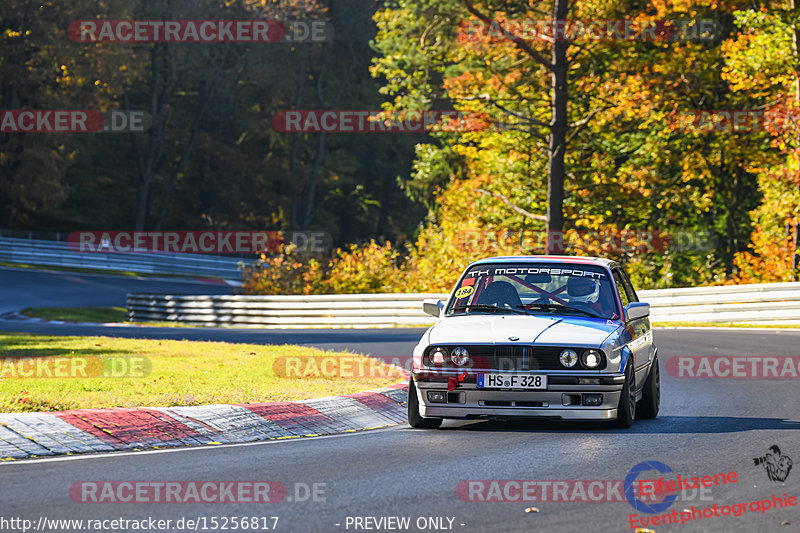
(663, 425)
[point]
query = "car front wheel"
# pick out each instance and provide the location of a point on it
(626, 409)
(651, 394)
(414, 418)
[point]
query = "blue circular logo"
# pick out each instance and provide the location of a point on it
(630, 480)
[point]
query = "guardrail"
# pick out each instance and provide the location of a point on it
(777, 303)
(766, 303)
(346, 310)
(55, 253)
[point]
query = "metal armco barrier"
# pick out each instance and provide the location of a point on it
(775, 303)
(55, 253)
(765, 303)
(346, 310)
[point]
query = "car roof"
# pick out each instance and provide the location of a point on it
(546, 259)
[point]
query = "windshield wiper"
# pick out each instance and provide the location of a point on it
(556, 307)
(485, 307)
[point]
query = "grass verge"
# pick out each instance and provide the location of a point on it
(119, 315)
(78, 314)
(102, 315)
(96, 372)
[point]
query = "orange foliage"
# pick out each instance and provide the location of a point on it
(370, 268)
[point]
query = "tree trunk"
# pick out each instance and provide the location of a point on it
(796, 52)
(160, 87)
(558, 136)
(313, 179)
(206, 94)
(321, 148)
(296, 139)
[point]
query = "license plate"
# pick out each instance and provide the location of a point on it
(512, 381)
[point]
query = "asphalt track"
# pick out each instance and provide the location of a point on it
(21, 288)
(705, 427)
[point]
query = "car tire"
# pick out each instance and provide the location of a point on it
(651, 393)
(626, 409)
(414, 418)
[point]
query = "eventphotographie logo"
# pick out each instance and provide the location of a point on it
(776, 464)
(630, 482)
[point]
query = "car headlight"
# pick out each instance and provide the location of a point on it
(437, 356)
(568, 358)
(591, 359)
(459, 356)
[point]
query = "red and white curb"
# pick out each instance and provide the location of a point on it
(30, 435)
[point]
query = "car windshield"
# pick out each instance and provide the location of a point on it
(541, 288)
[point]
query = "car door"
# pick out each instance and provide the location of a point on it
(641, 335)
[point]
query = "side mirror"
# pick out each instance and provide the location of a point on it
(636, 310)
(432, 306)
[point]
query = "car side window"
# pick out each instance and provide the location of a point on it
(629, 286)
(623, 291)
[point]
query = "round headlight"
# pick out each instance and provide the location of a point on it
(437, 356)
(568, 358)
(591, 359)
(459, 356)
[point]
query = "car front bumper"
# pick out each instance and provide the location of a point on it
(560, 400)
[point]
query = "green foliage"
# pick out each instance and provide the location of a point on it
(213, 159)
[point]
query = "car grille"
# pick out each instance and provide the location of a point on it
(523, 358)
(515, 357)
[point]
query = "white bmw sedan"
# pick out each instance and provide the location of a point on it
(537, 336)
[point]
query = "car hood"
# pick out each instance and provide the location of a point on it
(496, 329)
